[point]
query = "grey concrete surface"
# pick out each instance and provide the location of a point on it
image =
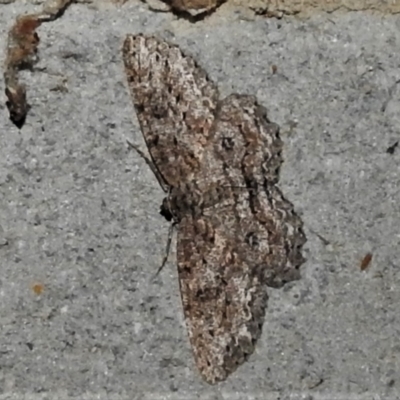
(79, 212)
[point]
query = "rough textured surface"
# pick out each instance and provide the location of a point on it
(79, 211)
(308, 7)
(261, 7)
(219, 162)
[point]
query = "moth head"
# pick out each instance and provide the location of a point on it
(165, 210)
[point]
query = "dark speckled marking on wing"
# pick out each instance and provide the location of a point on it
(174, 102)
(233, 243)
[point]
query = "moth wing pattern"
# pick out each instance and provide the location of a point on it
(237, 234)
(174, 102)
(244, 237)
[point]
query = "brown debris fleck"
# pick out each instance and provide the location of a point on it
(192, 10)
(22, 46)
(38, 288)
(365, 262)
(188, 5)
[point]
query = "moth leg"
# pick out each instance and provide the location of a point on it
(167, 249)
(152, 166)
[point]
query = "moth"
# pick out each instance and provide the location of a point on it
(218, 161)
